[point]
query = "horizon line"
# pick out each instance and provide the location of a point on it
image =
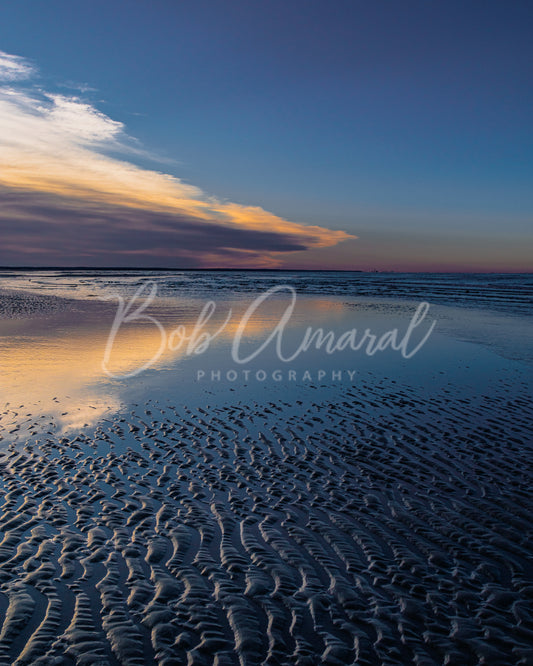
(258, 270)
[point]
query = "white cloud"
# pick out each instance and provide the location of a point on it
(79, 121)
(56, 145)
(14, 68)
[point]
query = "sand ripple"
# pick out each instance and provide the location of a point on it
(382, 529)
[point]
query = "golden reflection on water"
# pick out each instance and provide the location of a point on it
(52, 369)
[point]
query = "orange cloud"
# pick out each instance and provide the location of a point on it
(55, 146)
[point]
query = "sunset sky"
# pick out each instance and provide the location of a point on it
(284, 133)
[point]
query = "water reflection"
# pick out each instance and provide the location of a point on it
(53, 378)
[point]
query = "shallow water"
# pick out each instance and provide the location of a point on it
(510, 293)
(57, 326)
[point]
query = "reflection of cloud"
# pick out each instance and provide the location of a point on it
(57, 182)
(57, 371)
(60, 375)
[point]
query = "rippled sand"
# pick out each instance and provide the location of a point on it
(384, 527)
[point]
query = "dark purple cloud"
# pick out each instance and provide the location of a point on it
(46, 228)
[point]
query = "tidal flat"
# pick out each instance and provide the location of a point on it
(378, 513)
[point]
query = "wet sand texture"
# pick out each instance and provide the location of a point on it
(386, 528)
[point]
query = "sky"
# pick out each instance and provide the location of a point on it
(276, 134)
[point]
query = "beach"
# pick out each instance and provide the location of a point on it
(161, 506)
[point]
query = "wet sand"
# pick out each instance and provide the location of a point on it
(379, 524)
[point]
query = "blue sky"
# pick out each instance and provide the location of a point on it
(408, 125)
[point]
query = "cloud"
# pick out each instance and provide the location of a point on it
(80, 122)
(64, 195)
(14, 68)
(109, 233)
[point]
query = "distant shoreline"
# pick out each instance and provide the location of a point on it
(249, 270)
